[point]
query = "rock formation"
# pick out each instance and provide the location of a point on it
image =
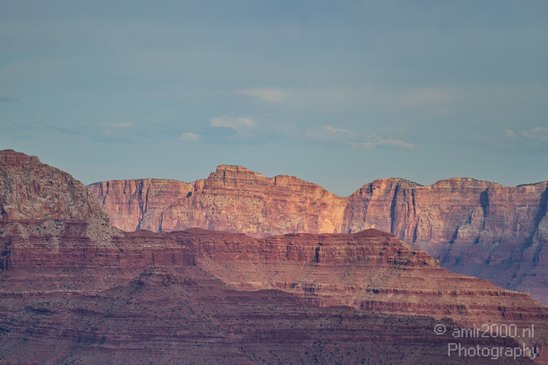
(474, 227)
(205, 297)
(232, 199)
(30, 190)
(74, 294)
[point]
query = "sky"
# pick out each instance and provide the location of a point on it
(335, 92)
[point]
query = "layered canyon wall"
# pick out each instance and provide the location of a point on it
(75, 290)
(232, 198)
(474, 227)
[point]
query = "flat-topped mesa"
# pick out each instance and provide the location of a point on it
(31, 190)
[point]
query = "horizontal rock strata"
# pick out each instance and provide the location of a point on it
(74, 290)
(473, 227)
(212, 297)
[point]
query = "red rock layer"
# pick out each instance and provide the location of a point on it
(232, 199)
(473, 227)
(74, 290)
(212, 297)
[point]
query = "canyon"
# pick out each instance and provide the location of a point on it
(473, 227)
(77, 290)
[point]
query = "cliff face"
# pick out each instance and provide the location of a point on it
(232, 199)
(474, 227)
(32, 190)
(206, 297)
(453, 210)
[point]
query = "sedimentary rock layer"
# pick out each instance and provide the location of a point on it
(75, 290)
(474, 227)
(232, 198)
(205, 297)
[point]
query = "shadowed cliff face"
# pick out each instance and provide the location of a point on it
(473, 227)
(32, 190)
(75, 290)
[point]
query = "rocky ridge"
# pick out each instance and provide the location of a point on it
(472, 226)
(213, 297)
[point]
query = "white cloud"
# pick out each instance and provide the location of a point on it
(111, 128)
(189, 137)
(327, 133)
(354, 139)
(121, 125)
(374, 141)
(270, 95)
(536, 134)
(333, 130)
(510, 133)
(236, 124)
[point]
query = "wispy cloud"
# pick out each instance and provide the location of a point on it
(269, 95)
(236, 124)
(536, 134)
(118, 130)
(354, 139)
(121, 125)
(327, 133)
(189, 137)
(371, 142)
(509, 133)
(531, 138)
(101, 132)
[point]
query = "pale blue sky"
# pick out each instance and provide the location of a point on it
(336, 92)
